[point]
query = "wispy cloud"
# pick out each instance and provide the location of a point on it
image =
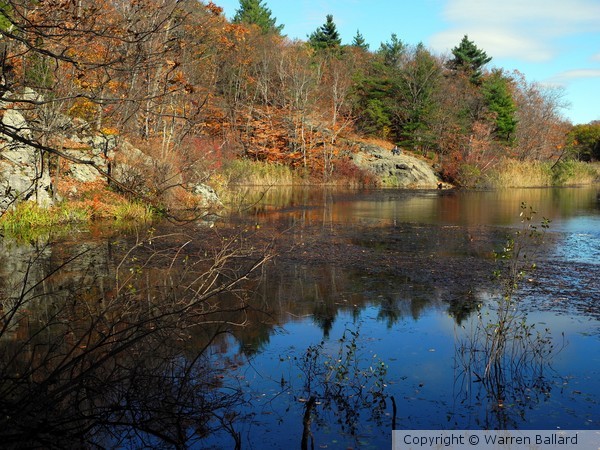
(575, 74)
(558, 14)
(526, 30)
(497, 42)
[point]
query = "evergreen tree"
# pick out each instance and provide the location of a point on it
(359, 41)
(392, 51)
(253, 12)
(469, 59)
(326, 37)
(497, 93)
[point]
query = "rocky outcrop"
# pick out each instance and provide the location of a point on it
(397, 170)
(86, 157)
(24, 172)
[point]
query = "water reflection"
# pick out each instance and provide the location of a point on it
(96, 342)
(468, 208)
(404, 270)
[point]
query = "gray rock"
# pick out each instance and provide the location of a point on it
(401, 170)
(23, 174)
(209, 197)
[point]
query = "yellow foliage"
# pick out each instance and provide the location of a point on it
(109, 131)
(84, 109)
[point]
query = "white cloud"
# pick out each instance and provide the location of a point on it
(496, 42)
(523, 29)
(576, 74)
(557, 14)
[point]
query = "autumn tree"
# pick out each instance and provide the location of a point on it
(584, 141)
(541, 130)
(138, 69)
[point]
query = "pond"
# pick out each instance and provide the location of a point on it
(373, 312)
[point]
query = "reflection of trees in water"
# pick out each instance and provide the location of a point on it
(90, 358)
(287, 291)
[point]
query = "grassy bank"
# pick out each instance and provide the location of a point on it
(28, 219)
(246, 172)
(513, 173)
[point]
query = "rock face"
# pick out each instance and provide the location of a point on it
(88, 157)
(24, 174)
(400, 170)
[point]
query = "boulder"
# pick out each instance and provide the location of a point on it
(397, 170)
(208, 196)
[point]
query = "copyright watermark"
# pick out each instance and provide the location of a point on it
(499, 440)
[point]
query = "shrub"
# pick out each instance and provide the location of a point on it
(347, 173)
(570, 172)
(469, 175)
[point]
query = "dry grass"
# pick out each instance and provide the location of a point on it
(513, 173)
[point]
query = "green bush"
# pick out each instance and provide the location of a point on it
(571, 172)
(469, 175)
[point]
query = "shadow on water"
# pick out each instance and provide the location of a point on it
(370, 315)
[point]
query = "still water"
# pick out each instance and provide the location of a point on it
(372, 314)
(407, 272)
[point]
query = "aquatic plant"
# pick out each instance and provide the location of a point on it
(341, 382)
(503, 351)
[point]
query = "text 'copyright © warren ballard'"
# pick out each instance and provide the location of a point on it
(503, 439)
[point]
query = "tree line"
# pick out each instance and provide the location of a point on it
(188, 85)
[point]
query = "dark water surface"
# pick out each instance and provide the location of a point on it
(360, 321)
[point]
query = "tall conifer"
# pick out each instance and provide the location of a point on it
(469, 59)
(255, 13)
(326, 37)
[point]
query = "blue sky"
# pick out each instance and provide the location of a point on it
(552, 42)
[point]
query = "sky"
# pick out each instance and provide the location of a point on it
(555, 43)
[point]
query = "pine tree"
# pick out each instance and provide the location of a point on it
(253, 12)
(392, 51)
(326, 37)
(469, 59)
(359, 41)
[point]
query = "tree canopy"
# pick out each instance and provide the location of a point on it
(359, 41)
(253, 12)
(584, 141)
(470, 59)
(326, 36)
(186, 84)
